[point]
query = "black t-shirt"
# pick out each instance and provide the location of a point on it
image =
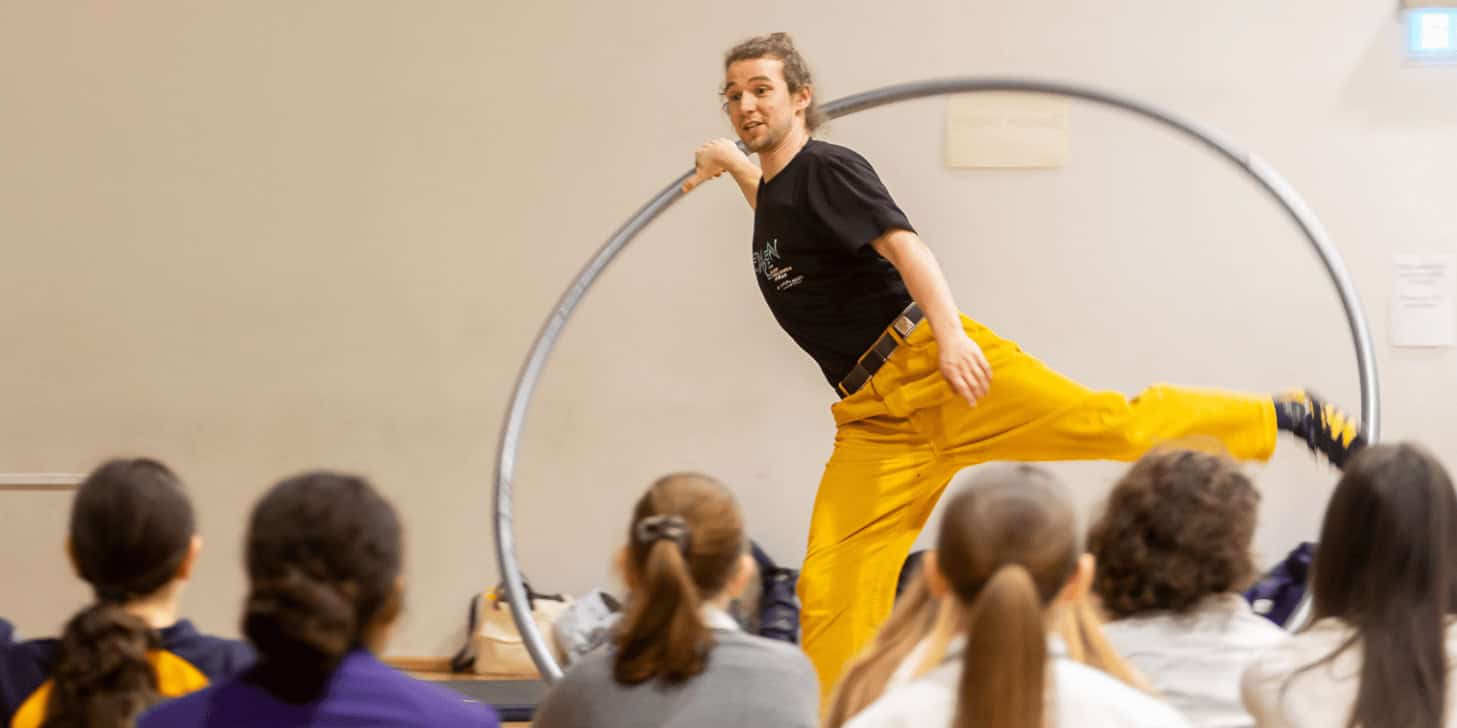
(825, 284)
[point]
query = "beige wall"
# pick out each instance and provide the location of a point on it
(252, 238)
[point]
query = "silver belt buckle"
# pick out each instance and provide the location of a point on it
(903, 325)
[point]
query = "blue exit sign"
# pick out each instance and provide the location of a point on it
(1431, 35)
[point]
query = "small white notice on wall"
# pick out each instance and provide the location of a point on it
(1424, 300)
(1006, 130)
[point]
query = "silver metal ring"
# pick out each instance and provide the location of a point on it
(1263, 174)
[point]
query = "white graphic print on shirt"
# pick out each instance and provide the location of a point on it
(765, 263)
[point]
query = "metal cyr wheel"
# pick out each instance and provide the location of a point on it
(1257, 170)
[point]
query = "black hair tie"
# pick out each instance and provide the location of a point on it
(652, 529)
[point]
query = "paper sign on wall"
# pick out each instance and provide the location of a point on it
(1424, 300)
(1006, 130)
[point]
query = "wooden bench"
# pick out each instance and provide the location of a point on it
(437, 669)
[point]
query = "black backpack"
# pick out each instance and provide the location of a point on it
(778, 604)
(1278, 593)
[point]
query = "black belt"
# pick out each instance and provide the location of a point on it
(874, 358)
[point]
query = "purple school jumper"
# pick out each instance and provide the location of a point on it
(362, 692)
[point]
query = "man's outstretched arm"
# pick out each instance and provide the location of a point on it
(962, 363)
(723, 155)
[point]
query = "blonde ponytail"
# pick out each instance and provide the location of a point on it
(1004, 669)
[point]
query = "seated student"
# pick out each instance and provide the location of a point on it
(922, 629)
(1008, 553)
(132, 538)
(323, 553)
(1380, 649)
(677, 659)
(1174, 551)
(7, 633)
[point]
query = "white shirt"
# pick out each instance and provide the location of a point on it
(1080, 697)
(1195, 660)
(715, 618)
(1321, 697)
(904, 672)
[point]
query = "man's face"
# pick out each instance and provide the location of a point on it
(759, 104)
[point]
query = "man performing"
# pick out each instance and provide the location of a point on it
(849, 280)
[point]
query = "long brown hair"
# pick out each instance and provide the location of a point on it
(683, 544)
(1007, 547)
(1385, 566)
(866, 678)
(131, 528)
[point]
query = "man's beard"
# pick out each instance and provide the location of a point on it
(772, 138)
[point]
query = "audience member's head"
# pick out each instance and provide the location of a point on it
(324, 557)
(920, 630)
(1177, 528)
(1387, 566)
(1008, 550)
(685, 548)
(132, 538)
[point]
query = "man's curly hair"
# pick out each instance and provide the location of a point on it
(1176, 528)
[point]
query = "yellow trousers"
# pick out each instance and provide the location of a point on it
(903, 435)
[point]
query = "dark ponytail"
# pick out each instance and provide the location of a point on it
(131, 529)
(324, 555)
(102, 677)
(684, 541)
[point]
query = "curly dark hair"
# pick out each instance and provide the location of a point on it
(1176, 528)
